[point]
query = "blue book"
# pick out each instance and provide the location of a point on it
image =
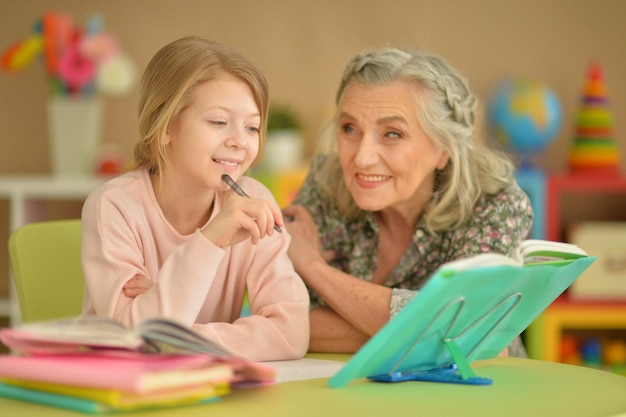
(468, 310)
(54, 400)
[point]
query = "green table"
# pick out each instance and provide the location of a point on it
(522, 387)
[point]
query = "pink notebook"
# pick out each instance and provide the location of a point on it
(131, 372)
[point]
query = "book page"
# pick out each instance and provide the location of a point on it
(541, 251)
(151, 336)
(481, 260)
(167, 336)
(86, 331)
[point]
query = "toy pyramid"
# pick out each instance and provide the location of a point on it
(594, 150)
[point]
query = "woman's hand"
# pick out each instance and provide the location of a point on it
(344, 294)
(136, 286)
(305, 244)
(243, 218)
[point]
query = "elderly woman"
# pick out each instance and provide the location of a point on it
(398, 188)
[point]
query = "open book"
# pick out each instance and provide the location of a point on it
(530, 252)
(470, 309)
(109, 338)
(157, 335)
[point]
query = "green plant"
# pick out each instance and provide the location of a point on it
(283, 118)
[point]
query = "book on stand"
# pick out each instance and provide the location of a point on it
(470, 309)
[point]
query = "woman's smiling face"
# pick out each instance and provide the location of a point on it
(387, 159)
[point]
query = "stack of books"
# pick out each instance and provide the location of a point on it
(95, 365)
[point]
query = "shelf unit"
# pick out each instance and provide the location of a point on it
(572, 199)
(567, 201)
(33, 198)
(544, 337)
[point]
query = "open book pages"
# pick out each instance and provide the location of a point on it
(541, 251)
(156, 338)
(86, 332)
(167, 336)
(156, 335)
(480, 260)
(529, 252)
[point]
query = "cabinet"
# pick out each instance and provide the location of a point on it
(38, 198)
(571, 199)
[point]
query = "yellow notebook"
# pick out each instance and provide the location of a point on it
(123, 400)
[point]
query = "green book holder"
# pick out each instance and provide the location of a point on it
(459, 317)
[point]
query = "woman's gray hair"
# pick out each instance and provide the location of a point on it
(447, 115)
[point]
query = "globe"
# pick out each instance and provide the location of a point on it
(524, 116)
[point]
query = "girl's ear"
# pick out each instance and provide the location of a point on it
(170, 131)
(166, 138)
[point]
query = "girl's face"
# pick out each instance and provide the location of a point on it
(216, 133)
(388, 160)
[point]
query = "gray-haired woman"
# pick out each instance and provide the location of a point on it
(398, 188)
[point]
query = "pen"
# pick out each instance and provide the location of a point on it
(237, 189)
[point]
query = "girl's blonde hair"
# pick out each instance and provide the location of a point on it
(167, 84)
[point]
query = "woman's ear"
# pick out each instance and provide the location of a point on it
(443, 160)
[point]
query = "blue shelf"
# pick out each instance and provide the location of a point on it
(533, 182)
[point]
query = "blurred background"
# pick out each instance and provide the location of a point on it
(303, 45)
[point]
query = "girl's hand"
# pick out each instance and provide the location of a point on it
(136, 286)
(243, 218)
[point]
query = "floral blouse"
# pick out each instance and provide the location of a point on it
(500, 222)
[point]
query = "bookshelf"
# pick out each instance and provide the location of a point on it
(570, 200)
(568, 331)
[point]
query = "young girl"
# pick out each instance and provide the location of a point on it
(171, 238)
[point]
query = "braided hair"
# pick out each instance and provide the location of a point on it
(446, 113)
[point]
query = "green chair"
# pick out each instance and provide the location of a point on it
(47, 271)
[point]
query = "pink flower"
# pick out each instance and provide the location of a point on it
(75, 69)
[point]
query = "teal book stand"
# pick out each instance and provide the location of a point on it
(459, 317)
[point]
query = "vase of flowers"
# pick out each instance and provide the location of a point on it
(81, 64)
(75, 133)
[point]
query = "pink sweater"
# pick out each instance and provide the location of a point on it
(195, 282)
